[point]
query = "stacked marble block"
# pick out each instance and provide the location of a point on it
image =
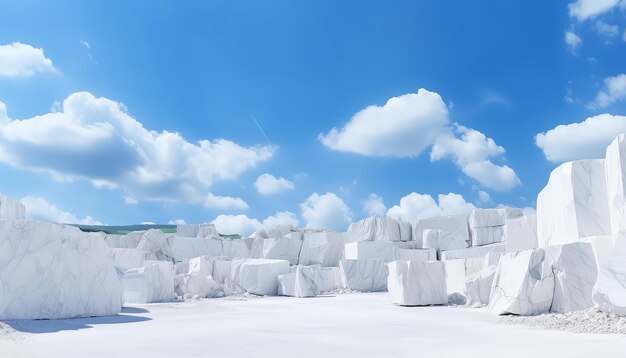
(11, 209)
(53, 271)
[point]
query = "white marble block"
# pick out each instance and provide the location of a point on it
(478, 286)
(470, 252)
(221, 270)
(11, 209)
(407, 244)
(125, 259)
(53, 271)
(303, 282)
(609, 293)
(196, 286)
(197, 230)
(279, 231)
(186, 248)
(234, 249)
(258, 276)
(376, 229)
(573, 204)
(127, 241)
(413, 283)
(575, 274)
(152, 283)
(283, 248)
(417, 254)
(156, 246)
(521, 233)
(364, 275)
(442, 240)
(487, 218)
(322, 248)
(615, 172)
(523, 284)
(456, 224)
(482, 236)
(601, 246)
(361, 250)
(203, 265)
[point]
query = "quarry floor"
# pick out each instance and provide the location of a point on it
(348, 325)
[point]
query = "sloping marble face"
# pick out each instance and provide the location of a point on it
(413, 283)
(379, 228)
(11, 209)
(284, 248)
(153, 282)
(456, 224)
(615, 170)
(364, 275)
(257, 276)
(50, 271)
(573, 204)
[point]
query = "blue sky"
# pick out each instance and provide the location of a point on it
(503, 71)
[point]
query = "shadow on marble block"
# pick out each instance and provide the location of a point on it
(73, 324)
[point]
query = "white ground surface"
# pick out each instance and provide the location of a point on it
(351, 325)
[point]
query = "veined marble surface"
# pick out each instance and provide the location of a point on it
(615, 172)
(456, 224)
(609, 293)
(197, 230)
(50, 271)
(283, 248)
(477, 251)
(482, 236)
(361, 250)
(378, 228)
(364, 275)
(413, 283)
(193, 286)
(125, 259)
(322, 248)
(153, 282)
(521, 233)
(523, 284)
(11, 209)
(442, 240)
(257, 276)
(487, 218)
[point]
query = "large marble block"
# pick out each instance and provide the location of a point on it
(196, 286)
(417, 254)
(521, 233)
(376, 229)
(470, 252)
(234, 249)
(279, 231)
(221, 271)
(406, 230)
(364, 275)
(575, 274)
(303, 282)
(487, 235)
(203, 265)
(487, 217)
(11, 209)
(258, 276)
(197, 230)
(361, 250)
(155, 244)
(609, 293)
(523, 284)
(456, 224)
(282, 248)
(615, 173)
(413, 283)
(51, 271)
(478, 286)
(407, 244)
(125, 259)
(122, 241)
(441, 240)
(152, 283)
(602, 246)
(573, 204)
(322, 248)
(186, 248)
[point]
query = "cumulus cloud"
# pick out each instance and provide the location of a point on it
(573, 41)
(406, 125)
(470, 150)
(403, 127)
(244, 226)
(585, 9)
(374, 206)
(421, 206)
(326, 211)
(224, 202)
(23, 60)
(268, 184)
(605, 29)
(96, 139)
(37, 208)
(614, 90)
(484, 197)
(583, 140)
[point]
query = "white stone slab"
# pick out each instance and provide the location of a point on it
(417, 254)
(282, 248)
(442, 240)
(303, 282)
(478, 286)
(122, 241)
(573, 204)
(609, 293)
(575, 274)
(521, 233)
(601, 246)
(197, 230)
(376, 229)
(125, 259)
(361, 250)
(221, 270)
(364, 275)
(154, 243)
(193, 286)
(203, 265)
(615, 173)
(477, 251)
(186, 248)
(523, 284)
(152, 283)
(258, 276)
(487, 218)
(413, 283)
(52, 271)
(482, 236)
(11, 209)
(455, 224)
(323, 248)
(280, 231)
(234, 249)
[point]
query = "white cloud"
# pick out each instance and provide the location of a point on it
(484, 197)
(605, 29)
(406, 125)
(37, 208)
(23, 60)
(85, 44)
(224, 202)
(584, 140)
(374, 206)
(327, 211)
(176, 222)
(573, 41)
(584, 9)
(470, 150)
(96, 139)
(403, 127)
(420, 206)
(268, 184)
(244, 226)
(614, 91)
